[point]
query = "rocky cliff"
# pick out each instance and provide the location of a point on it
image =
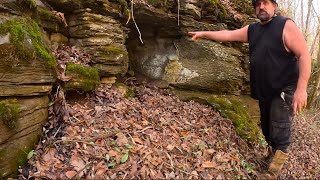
(151, 38)
(27, 72)
(148, 37)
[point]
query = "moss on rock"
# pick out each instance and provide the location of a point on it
(85, 78)
(20, 31)
(124, 90)
(213, 2)
(31, 3)
(44, 13)
(115, 50)
(9, 112)
(234, 110)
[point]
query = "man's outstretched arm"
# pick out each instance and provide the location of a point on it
(240, 35)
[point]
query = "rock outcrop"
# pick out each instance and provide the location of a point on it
(150, 39)
(27, 71)
(96, 27)
(164, 51)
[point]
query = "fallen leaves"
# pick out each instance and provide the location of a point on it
(153, 135)
(182, 140)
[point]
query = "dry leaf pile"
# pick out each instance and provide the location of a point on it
(107, 135)
(153, 135)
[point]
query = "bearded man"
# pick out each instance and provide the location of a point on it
(280, 67)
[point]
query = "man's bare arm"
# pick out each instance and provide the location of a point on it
(295, 42)
(240, 35)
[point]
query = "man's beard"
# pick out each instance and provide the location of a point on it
(263, 16)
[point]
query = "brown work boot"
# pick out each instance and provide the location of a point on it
(276, 165)
(265, 161)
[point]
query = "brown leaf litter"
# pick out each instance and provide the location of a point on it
(153, 135)
(105, 135)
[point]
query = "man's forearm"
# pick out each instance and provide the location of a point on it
(304, 72)
(220, 36)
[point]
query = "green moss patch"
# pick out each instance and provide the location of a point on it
(236, 112)
(20, 30)
(31, 3)
(85, 78)
(46, 14)
(115, 50)
(213, 2)
(126, 91)
(9, 113)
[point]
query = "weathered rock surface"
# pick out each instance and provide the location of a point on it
(16, 142)
(209, 66)
(26, 77)
(168, 54)
(100, 28)
(103, 37)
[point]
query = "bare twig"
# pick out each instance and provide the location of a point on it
(125, 175)
(171, 162)
(55, 134)
(315, 116)
(178, 12)
(131, 139)
(132, 17)
(148, 127)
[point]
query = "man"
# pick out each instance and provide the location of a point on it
(280, 67)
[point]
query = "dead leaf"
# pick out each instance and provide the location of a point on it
(137, 140)
(170, 147)
(70, 174)
(112, 153)
(100, 172)
(133, 170)
(77, 162)
(121, 139)
(208, 164)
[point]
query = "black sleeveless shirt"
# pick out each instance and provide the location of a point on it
(272, 68)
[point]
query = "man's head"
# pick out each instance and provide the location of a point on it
(265, 9)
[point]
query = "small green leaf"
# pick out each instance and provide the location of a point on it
(128, 146)
(112, 143)
(51, 103)
(201, 147)
(30, 154)
(124, 158)
(111, 165)
(118, 149)
(91, 143)
(107, 157)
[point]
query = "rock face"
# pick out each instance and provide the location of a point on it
(165, 52)
(209, 66)
(169, 54)
(26, 77)
(96, 27)
(17, 141)
(150, 39)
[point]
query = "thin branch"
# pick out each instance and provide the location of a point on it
(132, 17)
(178, 12)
